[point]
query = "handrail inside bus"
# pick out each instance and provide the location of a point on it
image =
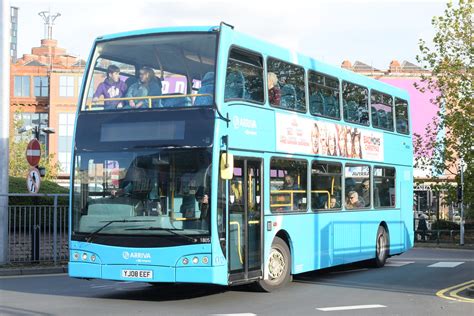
(292, 192)
(149, 98)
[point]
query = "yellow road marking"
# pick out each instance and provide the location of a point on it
(454, 290)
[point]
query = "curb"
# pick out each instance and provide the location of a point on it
(444, 246)
(32, 271)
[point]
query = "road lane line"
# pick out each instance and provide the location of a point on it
(346, 308)
(398, 263)
(464, 299)
(441, 293)
(446, 264)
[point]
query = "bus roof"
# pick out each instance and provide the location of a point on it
(275, 51)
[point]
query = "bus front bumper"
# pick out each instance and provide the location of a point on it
(149, 273)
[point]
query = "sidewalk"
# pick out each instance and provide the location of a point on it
(29, 270)
(443, 245)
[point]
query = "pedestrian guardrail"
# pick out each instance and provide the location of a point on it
(444, 236)
(38, 233)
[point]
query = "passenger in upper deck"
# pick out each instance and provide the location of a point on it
(274, 93)
(112, 87)
(148, 85)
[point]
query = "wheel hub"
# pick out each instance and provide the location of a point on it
(276, 264)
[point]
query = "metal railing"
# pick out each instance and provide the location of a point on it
(38, 233)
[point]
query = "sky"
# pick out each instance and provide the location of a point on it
(372, 31)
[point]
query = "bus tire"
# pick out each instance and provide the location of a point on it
(279, 267)
(381, 247)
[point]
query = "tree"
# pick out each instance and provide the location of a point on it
(449, 136)
(18, 166)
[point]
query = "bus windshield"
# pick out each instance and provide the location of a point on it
(155, 192)
(152, 71)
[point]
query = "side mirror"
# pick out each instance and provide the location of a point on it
(227, 166)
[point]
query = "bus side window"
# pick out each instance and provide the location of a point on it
(290, 83)
(355, 100)
(323, 95)
(288, 183)
(384, 187)
(244, 79)
(326, 188)
(401, 111)
(381, 106)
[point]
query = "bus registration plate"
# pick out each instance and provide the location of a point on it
(137, 274)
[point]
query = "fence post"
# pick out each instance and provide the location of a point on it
(55, 232)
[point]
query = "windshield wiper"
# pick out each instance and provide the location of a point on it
(169, 230)
(89, 237)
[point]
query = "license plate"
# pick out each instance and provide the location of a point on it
(137, 274)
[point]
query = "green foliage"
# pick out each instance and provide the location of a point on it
(18, 166)
(18, 185)
(450, 135)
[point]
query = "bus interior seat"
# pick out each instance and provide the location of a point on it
(382, 118)
(207, 87)
(288, 96)
(330, 106)
(375, 117)
(350, 111)
(176, 102)
(235, 85)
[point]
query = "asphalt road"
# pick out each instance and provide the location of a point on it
(406, 286)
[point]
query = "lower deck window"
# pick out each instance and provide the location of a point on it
(357, 186)
(326, 189)
(384, 187)
(288, 185)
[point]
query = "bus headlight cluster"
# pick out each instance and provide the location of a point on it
(195, 260)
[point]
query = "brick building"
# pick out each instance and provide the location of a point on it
(44, 88)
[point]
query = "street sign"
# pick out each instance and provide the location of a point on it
(33, 180)
(33, 152)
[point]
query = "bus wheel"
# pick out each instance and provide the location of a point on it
(279, 267)
(381, 248)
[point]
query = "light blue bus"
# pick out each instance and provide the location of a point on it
(203, 155)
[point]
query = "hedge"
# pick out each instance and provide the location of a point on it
(18, 185)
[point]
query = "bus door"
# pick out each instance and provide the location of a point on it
(245, 218)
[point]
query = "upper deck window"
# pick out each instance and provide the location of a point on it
(286, 85)
(356, 103)
(401, 112)
(153, 71)
(381, 105)
(244, 78)
(323, 95)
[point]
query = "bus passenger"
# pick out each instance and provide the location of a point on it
(112, 87)
(274, 93)
(290, 183)
(353, 200)
(333, 203)
(365, 191)
(148, 85)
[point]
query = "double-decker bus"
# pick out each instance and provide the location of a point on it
(203, 155)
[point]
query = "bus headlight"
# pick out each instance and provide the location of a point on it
(205, 260)
(195, 260)
(93, 258)
(185, 261)
(84, 256)
(76, 256)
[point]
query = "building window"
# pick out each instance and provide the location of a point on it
(32, 119)
(41, 86)
(381, 106)
(401, 111)
(244, 78)
(65, 133)
(326, 185)
(66, 86)
(355, 103)
(22, 86)
(323, 95)
(286, 86)
(357, 186)
(288, 185)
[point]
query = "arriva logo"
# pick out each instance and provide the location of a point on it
(136, 255)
